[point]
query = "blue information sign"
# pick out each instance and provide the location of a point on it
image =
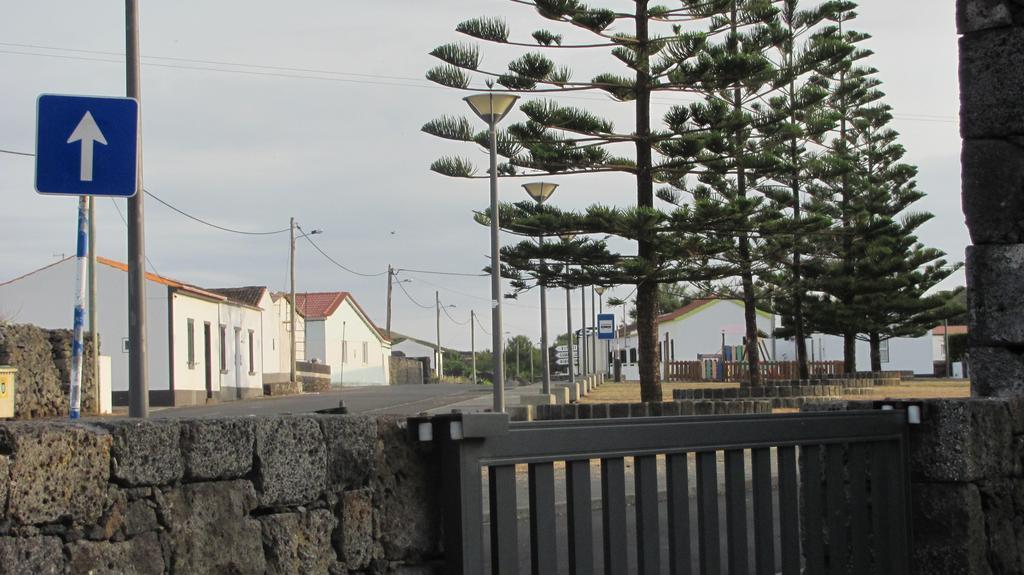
(87, 146)
(605, 326)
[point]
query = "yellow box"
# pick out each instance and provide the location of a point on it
(7, 391)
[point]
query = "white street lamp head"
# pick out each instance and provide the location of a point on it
(491, 106)
(600, 290)
(540, 191)
(567, 237)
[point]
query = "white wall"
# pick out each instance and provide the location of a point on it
(239, 373)
(701, 332)
(905, 353)
(355, 369)
(413, 348)
(47, 298)
(316, 341)
(192, 377)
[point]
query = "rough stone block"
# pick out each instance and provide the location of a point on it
(140, 517)
(142, 555)
(520, 412)
(353, 537)
(291, 460)
(962, 440)
(599, 411)
(669, 408)
(406, 489)
(995, 280)
(36, 555)
(561, 394)
(542, 412)
(352, 444)
(993, 191)
(949, 529)
(991, 82)
(217, 448)
(299, 542)
(145, 452)
(685, 407)
(584, 411)
(210, 530)
(977, 15)
(56, 471)
(638, 409)
(537, 399)
(997, 372)
(1002, 501)
(703, 408)
(618, 410)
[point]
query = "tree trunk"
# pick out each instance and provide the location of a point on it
(850, 352)
(647, 288)
(876, 351)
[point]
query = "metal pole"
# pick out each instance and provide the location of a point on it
(292, 370)
(93, 313)
(518, 352)
(584, 356)
(437, 312)
(75, 385)
(391, 275)
(472, 341)
(568, 330)
(544, 360)
(496, 329)
(138, 376)
(593, 339)
(344, 357)
(531, 362)
(945, 337)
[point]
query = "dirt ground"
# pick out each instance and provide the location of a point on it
(921, 388)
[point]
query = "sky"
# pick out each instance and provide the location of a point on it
(257, 111)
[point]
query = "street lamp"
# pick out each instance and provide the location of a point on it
(291, 314)
(541, 191)
(439, 369)
(566, 238)
(491, 108)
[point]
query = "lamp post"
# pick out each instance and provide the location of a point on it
(491, 108)
(541, 191)
(600, 310)
(566, 238)
(439, 367)
(291, 304)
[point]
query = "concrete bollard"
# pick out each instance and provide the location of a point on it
(537, 399)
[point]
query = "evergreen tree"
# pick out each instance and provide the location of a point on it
(663, 53)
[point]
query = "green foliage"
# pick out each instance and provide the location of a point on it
(490, 29)
(459, 55)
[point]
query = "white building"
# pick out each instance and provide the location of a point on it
(416, 348)
(340, 334)
(275, 327)
(706, 326)
(200, 346)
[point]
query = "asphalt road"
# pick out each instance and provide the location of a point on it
(375, 400)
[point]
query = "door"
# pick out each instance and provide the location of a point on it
(209, 360)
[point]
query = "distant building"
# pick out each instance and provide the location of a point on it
(340, 334)
(202, 345)
(416, 348)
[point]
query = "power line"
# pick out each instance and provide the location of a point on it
(481, 275)
(445, 309)
(12, 152)
(118, 208)
(482, 328)
(335, 262)
(412, 299)
(212, 225)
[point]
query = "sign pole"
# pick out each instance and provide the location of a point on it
(77, 347)
(94, 348)
(138, 377)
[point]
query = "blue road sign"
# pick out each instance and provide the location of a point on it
(605, 326)
(87, 146)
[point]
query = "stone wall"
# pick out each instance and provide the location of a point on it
(405, 371)
(992, 127)
(294, 494)
(967, 474)
(43, 360)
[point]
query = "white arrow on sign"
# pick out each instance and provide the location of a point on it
(88, 133)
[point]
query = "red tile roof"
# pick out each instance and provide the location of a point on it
(250, 296)
(319, 305)
(953, 330)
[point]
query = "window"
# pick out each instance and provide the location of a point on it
(252, 355)
(366, 352)
(344, 351)
(632, 355)
(223, 347)
(883, 350)
(672, 350)
(191, 343)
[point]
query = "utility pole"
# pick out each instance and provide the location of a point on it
(531, 362)
(568, 331)
(472, 341)
(93, 324)
(138, 376)
(945, 343)
(291, 313)
(437, 310)
(593, 338)
(391, 275)
(584, 357)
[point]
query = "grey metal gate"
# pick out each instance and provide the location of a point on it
(814, 493)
